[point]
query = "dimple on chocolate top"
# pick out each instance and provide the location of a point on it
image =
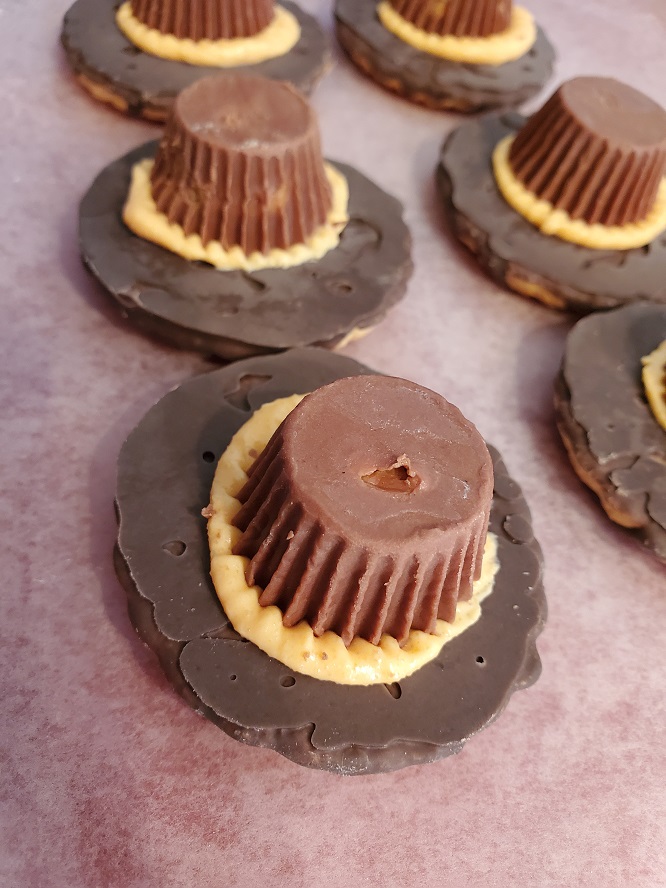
(367, 511)
(458, 18)
(597, 149)
(240, 163)
(205, 19)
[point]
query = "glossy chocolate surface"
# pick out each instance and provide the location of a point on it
(236, 314)
(163, 561)
(98, 51)
(606, 421)
(435, 82)
(507, 246)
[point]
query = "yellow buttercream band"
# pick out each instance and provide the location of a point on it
(559, 223)
(141, 215)
(325, 657)
(277, 39)
(654, 382)
(497, 49)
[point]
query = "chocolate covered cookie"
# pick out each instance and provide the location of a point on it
(414, 50)
(162, 559)
(612, 435)
(234, 237)
(112, 47)
(568, 207)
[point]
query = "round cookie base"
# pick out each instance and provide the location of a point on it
(613, 440)
(237, 314)
(433, 82)
(115, 71)
(163, 565)
(515, 253)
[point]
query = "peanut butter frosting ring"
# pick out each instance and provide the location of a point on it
(117, 72)
(324, 656)
(493, 49)
(431, 80)
(234, 314)
(558, 223)
(515, 253)
(143, 217)
(163, 562)
(277, 39)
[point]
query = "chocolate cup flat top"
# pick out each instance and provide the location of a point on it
(602, 374)
(98, 49)
(483, 86)
(164, 566)
(615, 111)
(587, 279)
(228, 313)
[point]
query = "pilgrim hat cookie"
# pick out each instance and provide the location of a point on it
(232, 236)
(351, 612)
(138, 55)
(568, 207)
(610, 402)
(463, 55)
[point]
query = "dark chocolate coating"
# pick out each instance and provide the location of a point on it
(163, 563)
(510, 248)
(431, 81)
(99, 51)
(612, 435)
(234, 314)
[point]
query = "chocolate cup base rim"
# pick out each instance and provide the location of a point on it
(491, 227)
(351, 289)
(488, 87)
(520, 559)
(114, 74)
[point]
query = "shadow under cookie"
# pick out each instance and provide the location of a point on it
(115, 71)
(163, 563)
(516, 254)
(613, 439)
(234, 314)
(435, 82)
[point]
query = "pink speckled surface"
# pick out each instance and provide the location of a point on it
(107, 777)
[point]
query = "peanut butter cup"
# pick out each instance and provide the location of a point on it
(240, 163)
(367, 512)
(569, 206)
(597, 150)
(461, 18)
(203, 19)
(233, 236)
(139, 55)
(461, 55)
(162, 561)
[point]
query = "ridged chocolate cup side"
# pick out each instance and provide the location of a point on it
(240, 163)
(596, 149)
(458, 18)
(367, 511)
(205, 19)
